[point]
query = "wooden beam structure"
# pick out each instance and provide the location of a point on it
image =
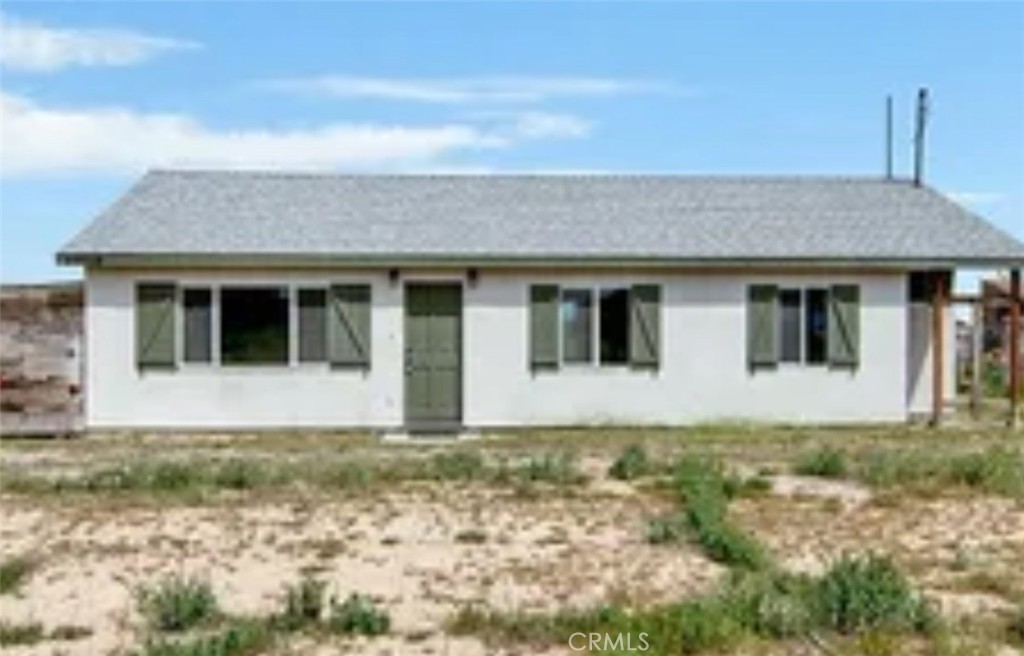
(977, 360)
(939, 293)
(1013, 361)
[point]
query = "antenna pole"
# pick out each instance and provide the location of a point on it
(922, 117)
(888, 137)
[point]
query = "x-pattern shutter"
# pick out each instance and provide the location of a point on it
(155, 325)
(544, 327)
(762, 331)
(349, 326)
(844, 326)
(645, 326)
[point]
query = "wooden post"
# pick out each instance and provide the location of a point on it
(938, 344)
(977, 334)
(1014, 357)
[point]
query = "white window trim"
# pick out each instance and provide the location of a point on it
(594, 361)
(216, 287)
(801, 327)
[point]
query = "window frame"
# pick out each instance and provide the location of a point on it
(627, 362)
(803, 294)
(216, 287)
(805, 329)
(182, 329)
(595, 291)
(290, 321)
(780, 325)
(589, 362)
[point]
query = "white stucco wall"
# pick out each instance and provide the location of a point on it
(703, 377)
(200, 396)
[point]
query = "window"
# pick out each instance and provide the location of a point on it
(254, 325)
(197, 309)
(577, 326)
(789, 325)
(803, 326)
(614, 326)
(816, 326)
(312, 325)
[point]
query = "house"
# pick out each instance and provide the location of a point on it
(261, 300)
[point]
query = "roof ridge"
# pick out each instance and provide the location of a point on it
(661, 175)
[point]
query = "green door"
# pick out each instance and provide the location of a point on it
(433, 356)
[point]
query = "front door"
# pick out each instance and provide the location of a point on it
(433, 356)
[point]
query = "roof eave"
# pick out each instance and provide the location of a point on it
(310, 260)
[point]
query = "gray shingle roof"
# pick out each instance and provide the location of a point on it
(536, 217)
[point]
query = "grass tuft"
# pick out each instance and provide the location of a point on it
(826, 462)
(869, 592)
(28, 633)
(14, 572)
(240, 638)
(177, 604)
(303, 605)
(358, 615)
(633, 463)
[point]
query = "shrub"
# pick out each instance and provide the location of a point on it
(550, 468)
(826, 462)
(349, 475)
(869, 592)
(303, 604)
(775, 605)
(704, 625)
(631, 464)
(458, 466)
(178, 604)
(238, 475)
(240, 638)
(666, 529)
(721, 541)
(358, 615)
(997, 470)
(1016, 625)
(70, 632)
(471, 536)
(706, 490)
(14, 572)
(20, 634)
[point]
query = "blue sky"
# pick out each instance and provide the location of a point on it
(95, 93)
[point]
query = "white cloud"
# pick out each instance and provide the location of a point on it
(537, 125)
(500, 89)
(33, 47)
(533, 124)
(38, 139)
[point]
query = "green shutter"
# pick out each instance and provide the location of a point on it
(762, 339)
(155, 325)
(312, 325)
(544, 327)
(645, 326)
(348, 326)
(844, 326)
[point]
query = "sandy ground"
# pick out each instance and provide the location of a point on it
(406, 547)
(402, 548)
(949, 546)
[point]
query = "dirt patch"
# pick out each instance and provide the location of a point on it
(949, 546)
(400, 548)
